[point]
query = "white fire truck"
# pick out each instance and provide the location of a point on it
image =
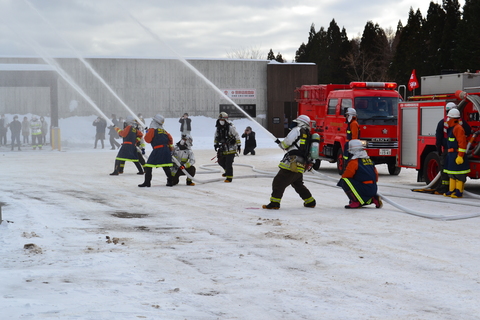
(419, 115)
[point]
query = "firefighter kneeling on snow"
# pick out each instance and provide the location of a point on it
(292, 166)
(456, 165)
(185, 157)
(359, 180)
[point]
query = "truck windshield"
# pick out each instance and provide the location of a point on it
(376, 109)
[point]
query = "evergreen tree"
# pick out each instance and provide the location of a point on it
(433, 31)
(375, 49)
(449, 42)
(467, 51)
(270, 55)
(409, 53)
(279, 58)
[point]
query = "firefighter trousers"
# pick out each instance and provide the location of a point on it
(285, 178)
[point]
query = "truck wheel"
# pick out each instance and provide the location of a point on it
(317, 163)
(393, 170)
(431, 167)
(340, 161)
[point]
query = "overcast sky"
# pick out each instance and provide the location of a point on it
(188, 28)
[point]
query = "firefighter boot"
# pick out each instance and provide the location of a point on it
(139, 168)
(459, 189)
(272, 205)
(309, 203)
(354, 203)
(451, 188)
(377, 201)
(148, 178)
(190, 182)
(116, 168)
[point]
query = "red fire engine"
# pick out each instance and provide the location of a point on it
(376, 104)
(420, 115)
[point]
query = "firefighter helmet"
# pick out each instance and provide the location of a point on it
(223, 115)
(355, 144)
(303, 120)
(351, 112)
(159, 119)
(453, 113)
(129, 120)
(450, 105)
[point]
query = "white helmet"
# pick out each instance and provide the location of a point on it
(453, 113)
(355, 144)
(450, 105)
(351, 112)
(303, 120)
(159, 119)
(223, 115)
(129, 120)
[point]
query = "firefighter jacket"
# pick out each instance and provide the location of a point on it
(36, 127)
(184, 156)
(297, 144)
(353, 130)
(456, 146)
(361, 177)
(226, 138)
(162, 144)
(128, 150)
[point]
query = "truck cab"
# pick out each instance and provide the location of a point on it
(376, 105)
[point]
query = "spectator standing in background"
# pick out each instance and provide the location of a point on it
(100, 125)
(185, 124)
(44, 131)
(3, 130)
(113, 133)
(25, 129)
(15, 129)
(250, 142)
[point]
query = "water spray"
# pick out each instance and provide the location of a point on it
(199, 74)
(87, 65)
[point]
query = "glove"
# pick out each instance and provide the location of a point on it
(182, 167)
(278, 141)
(187, 165)
(239, 148)
(216, 147)
(143, 150)
(459, 160)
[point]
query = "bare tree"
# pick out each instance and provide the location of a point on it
(246, 53)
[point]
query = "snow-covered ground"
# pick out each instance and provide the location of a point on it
(77, 243)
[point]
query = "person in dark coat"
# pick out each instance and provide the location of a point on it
(100, 125)
(113, 133)
(359, 180)
(128, 150)
(185, 124)
(161, 155)
(250, 142)
(16, 129)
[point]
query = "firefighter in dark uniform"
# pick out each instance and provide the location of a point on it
(441, 145)
(456, 164)
(359, 180)
(161, 155)
(128, 150)
(227, 143)
(293, 165)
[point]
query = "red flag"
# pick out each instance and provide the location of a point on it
(413, 82)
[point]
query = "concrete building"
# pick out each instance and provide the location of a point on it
(264, 90)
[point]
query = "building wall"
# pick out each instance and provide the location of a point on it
(147, 86)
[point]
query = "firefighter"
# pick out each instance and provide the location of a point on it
(184, 155)
(128, 149)
(226, 143)
(456, 165)
(359, 180)
(161, 155)
(293, 165)
(441, 145)
(353, 131)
